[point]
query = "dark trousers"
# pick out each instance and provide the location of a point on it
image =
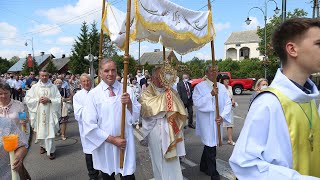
(93, 174)
(190, 113)
(108, 177)
(17, 94)
(13, 95)
(208, 162)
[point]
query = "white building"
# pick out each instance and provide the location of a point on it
(243, 45)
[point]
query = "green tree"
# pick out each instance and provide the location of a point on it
(4, 65)
(108, 48)
(26, 70)
(119, 61)
(148, 67)
(196, 67)
(51, 68)
(80, 49)
(14, 60)
(273, 62)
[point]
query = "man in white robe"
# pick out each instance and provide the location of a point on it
(44, 104)
(102, 124)
(206, 120)
(160, 125)
(264, 149)
(79, 101)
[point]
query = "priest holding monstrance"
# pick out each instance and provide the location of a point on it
(164, 117)
(102, 122)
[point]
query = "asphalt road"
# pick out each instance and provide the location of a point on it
(70, 162)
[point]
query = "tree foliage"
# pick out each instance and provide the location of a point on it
(119, 61)
(86, 43)
(273, 62)
(4, 65)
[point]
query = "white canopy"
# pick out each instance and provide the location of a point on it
(162, 21)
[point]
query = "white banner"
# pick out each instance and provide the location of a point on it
(162, 21)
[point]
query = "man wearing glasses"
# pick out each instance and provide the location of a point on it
(30, 80)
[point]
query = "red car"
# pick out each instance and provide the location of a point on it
(238, 85)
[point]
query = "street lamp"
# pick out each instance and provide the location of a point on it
(26, 44)
(248, 21)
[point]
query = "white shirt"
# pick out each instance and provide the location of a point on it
(101, 119)
(79, 101)
(263, 149)
(205, 105)
(11, 82)
(18, 84)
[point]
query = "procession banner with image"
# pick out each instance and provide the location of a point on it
(174, 26)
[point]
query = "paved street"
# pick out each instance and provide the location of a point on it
(70, 161)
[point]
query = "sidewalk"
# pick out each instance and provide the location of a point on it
(70, 160)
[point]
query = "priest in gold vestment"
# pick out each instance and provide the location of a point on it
(164, 117)
(44, 105)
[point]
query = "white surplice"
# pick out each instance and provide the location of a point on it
(156, 131)
(205, 105)
(263, 149)
(44, 118)
(101, 118)
(79, 101)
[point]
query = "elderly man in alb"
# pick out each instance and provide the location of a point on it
(102, 124)
(204, 101)
(164, 117)
(79, 101)
(44, 105)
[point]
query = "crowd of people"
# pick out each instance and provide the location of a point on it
(279, 140)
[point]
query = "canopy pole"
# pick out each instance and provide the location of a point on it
(164, 53)
(125, 73)
(101, 40)
(215, 81)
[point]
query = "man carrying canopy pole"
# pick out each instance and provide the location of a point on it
(102, 124)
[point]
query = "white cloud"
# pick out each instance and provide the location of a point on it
(46, 29)
(83, 10)
(202, 55)
(7, 53)
(56, 51)
(66, 40)
(221, 26)
(253, 24)
(7, 33)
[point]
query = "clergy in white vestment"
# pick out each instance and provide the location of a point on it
(44, 104)
(280, 138)
(102, 124)
(163, 118)
(79, 102)
(206, 120)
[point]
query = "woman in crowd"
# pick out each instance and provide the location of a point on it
(7, 127)
(65, 98)
(261, 84)
(137, 91)
(225, 81)
(10, 108)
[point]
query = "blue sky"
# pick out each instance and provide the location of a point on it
(54, 24)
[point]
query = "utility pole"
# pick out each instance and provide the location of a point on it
(315, 9)
(284, 10)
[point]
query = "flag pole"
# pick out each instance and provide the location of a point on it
(125, 73)
(101, 39)
(215, 81)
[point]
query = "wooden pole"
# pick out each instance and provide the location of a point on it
(215, 82)
(101, 40)
(164, 53)
(125, 73)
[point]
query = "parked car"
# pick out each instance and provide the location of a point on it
(238, 85)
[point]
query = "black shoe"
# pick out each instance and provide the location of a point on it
(42, 150)
(191, 126)
(52, 156)
(185, 127)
